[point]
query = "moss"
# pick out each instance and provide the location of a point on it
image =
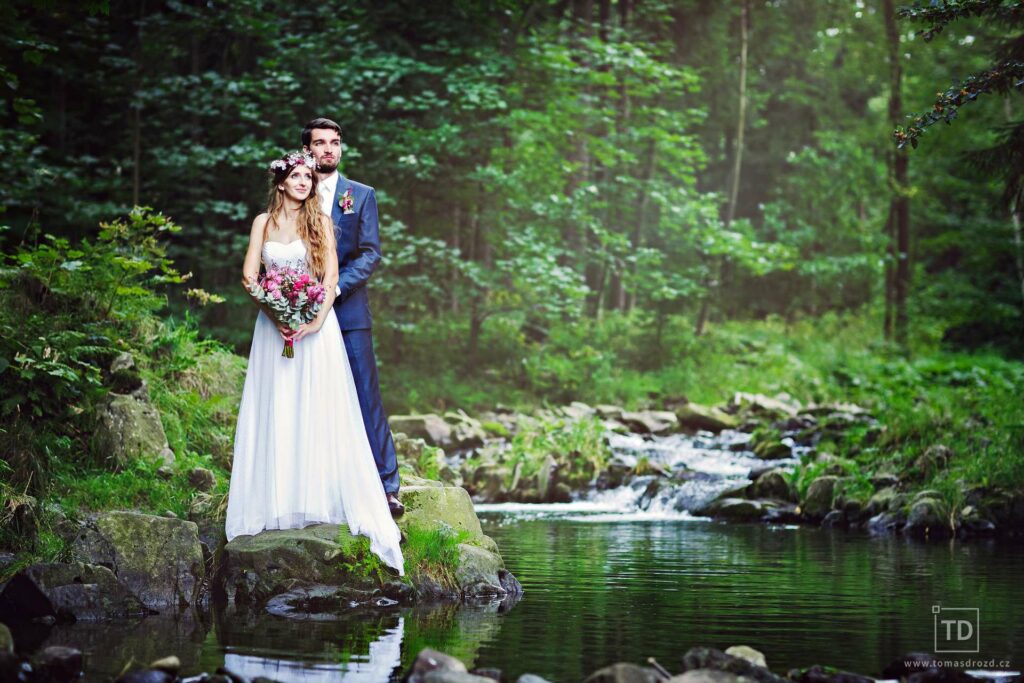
(496, 429)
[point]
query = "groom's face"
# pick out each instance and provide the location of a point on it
(325, 146)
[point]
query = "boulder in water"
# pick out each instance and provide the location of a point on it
(650, 421)
(734, 509)
(624, 673)
(818, 501)
(68, 592)
(928, 518)
(773, 484)
(694, 416)
(755, 657)
(429, 660)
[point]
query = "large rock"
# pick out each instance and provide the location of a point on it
(253, 569)
(698, 658)
(127, 428)
(482, 574)
(928, 518)
(428, 505)
(159, 559)
(773, 484)
(818, 501)
(428, 661)
(780, 406)
(650, 421)
(68, 592)
(708, 676)
(748, 653)
(430, 427)
(488, 482)
(734, 509)
(466, 432)
(325, 559)
(697, 417)
(624, 673)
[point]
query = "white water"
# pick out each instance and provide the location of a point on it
(705, 466)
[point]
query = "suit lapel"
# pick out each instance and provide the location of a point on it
(338, 191)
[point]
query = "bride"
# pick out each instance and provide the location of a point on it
(301, 455)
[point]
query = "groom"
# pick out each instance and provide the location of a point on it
(353, 210)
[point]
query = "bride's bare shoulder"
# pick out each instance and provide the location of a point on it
(258, 224)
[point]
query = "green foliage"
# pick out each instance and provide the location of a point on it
(433, 551)
(578, 443)
(360, 561)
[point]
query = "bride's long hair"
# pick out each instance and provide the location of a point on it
(309, 220)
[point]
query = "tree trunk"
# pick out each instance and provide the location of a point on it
(1018, 238)
(456, 244)
(890, 259)
(712, 284)
(643, 201)
(900, 203)
(137, 113)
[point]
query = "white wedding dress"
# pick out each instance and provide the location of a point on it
(301, 454)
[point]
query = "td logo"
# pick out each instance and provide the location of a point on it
(957, 629)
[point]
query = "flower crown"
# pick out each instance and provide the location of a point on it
(292, 159)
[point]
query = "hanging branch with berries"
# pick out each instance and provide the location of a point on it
(1005, 76)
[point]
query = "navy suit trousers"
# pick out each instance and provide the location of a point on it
(359, 345)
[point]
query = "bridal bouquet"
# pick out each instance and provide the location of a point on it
(292, 295)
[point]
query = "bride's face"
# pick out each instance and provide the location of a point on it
(298, 183)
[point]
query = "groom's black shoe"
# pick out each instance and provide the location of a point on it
(397, 509)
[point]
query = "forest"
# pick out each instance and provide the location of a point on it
(618, 201)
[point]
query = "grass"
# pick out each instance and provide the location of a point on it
(433, 551)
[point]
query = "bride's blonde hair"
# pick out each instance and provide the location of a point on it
(310, 221)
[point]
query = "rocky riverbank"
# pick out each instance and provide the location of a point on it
(752, 459)
(125, 563)
(737, 664)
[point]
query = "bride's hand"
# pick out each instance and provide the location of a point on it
(306, 330)
(286, 332)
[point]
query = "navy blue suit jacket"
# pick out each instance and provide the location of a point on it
(358, 238)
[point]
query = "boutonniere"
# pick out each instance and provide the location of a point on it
(346, 202)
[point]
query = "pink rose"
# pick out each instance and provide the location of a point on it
(276, 294)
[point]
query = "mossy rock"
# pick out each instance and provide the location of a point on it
(128, 428)
(818, 501)
(427, 505)
(159, 559)
(773, 484)
(68, 592)
(698, 417)
(928, 518)
(735, 509)
(430, 427)
(252, 569)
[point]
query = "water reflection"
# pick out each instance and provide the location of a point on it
(598, 592)
(382, 658)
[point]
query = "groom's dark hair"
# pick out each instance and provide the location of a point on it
(307, 132)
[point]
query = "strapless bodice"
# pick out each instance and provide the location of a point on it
(285, 254)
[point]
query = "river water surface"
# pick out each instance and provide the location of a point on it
(621, 576)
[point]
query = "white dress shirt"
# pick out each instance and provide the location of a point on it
(326, 190)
